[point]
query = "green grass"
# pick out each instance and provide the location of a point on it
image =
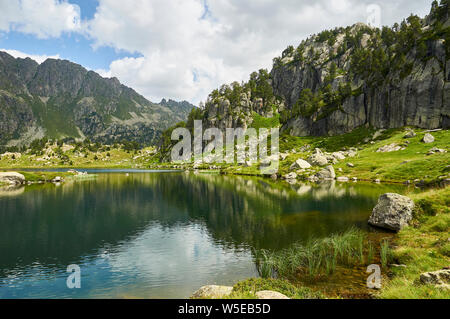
(317, 258)
(385, 253)
(265, 122)
(409, 164)
(248, 288)
(423, 247)
(113, 158)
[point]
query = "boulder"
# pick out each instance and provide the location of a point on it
(339, 156)
(290, 176)
(12, 178)
(350, 165)
(268, 294)
(317, 159)
(212, 292)
(438, 150)
(392, 212)
(343, 179)
(352, 153)
(410, 134)
(440, 278)
(389, 148)
(300, 164)
(327, 173)
(428, 138)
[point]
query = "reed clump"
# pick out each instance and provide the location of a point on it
(316, 257)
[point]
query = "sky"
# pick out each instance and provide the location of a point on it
(180, 49)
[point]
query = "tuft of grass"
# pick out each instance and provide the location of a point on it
(385, 253)
(370, 253)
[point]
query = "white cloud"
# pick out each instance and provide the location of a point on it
(38, 58)
(42, 18)
(185, 56)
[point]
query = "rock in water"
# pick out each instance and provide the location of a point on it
(12, 178)
(428, 138)
(392, 212)
(300, 164)
(212, 292)
(268, 294)
(327, 173)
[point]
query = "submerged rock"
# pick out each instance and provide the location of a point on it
(212, 292)
(392, 212)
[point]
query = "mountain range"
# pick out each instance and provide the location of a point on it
(60, 99)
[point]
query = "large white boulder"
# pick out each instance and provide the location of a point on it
(12, 178)
(317, 159)
(392, 212)
(327, 173)
(428, 138)
(300, 164)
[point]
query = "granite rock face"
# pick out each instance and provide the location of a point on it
(417, 96)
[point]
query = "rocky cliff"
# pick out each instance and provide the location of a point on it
(339, 80)
(345, 78)
(60, 99)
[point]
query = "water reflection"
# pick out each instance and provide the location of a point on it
(161, 235)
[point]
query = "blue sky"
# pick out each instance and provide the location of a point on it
(179, 49)
(74, 47)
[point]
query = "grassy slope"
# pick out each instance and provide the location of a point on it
(410, 164)
(423, 247)
(118, 159)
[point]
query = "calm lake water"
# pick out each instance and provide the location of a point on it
(161, 234)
